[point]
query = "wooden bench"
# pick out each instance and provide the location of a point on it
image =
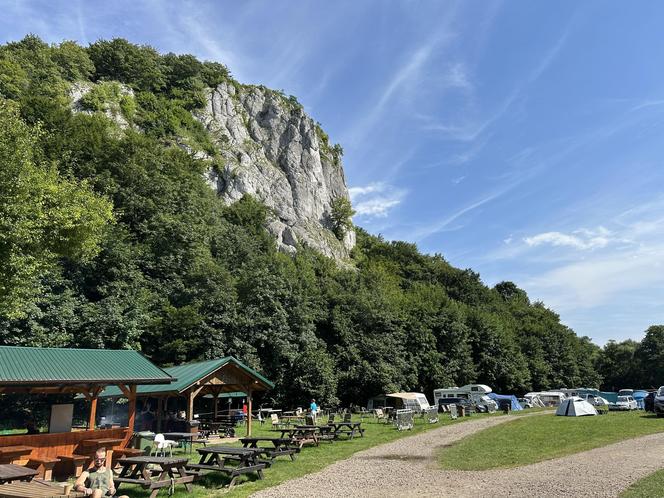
(43, 465)
(77, 461)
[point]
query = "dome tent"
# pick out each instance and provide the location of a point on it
(575, 407)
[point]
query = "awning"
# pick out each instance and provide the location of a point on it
(404, 395)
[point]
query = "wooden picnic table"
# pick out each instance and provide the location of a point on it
(280, 446)
(229, 460)
(36, 489)
(171, 471)
(8, 454)
(348, 428)
(308, 434)
(10, 472)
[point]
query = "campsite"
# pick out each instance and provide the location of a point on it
(302, 248)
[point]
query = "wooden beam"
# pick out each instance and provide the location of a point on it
(125, 390)
(216, 405)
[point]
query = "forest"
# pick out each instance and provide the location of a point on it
(111, 238)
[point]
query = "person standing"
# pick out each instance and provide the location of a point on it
(313, 407)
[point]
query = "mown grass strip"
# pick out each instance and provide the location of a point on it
(651, 486)
(533, 439)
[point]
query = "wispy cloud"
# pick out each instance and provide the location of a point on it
(596, 281)
(580, 239)
(592, 268)
(424, 231)
(375, 199)
(469, 131)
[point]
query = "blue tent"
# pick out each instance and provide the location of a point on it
(506, 397)
(638, 397)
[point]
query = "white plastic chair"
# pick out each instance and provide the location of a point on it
(161, 444)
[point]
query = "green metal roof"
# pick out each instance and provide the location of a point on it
(235, 394)
(187, 375)
(21, 366)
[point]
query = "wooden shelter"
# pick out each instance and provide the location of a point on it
(74, 371)
(212, 377)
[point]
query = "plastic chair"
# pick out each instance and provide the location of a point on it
(161, 444)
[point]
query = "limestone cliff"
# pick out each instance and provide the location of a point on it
(268, 147)
(271, 149)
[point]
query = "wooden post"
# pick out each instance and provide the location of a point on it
(132, 408)
(93, 412)
(190, 405)
(216, 404)
(249, 412)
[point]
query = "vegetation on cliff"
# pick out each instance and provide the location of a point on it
(183, 277)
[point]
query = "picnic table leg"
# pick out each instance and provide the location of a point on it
(232, 483)
(183, 473)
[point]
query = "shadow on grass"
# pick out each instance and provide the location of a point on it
(215, 480)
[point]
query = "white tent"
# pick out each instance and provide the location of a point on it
(575, 407)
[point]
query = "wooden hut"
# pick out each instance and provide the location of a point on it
(72, 371)
(212, 377)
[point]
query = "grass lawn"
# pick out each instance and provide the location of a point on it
(648, 487)
(533, 439)
(310, 459)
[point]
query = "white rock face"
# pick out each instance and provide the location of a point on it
(271, 149)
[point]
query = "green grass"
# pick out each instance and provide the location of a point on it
(310, 459)
(648, 487)
(533, 439)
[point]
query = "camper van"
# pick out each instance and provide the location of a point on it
(476, 393)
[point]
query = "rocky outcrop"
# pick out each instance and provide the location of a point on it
(271, 149)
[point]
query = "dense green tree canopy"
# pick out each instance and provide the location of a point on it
(183, 277)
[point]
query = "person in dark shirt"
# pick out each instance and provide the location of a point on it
(31, 428)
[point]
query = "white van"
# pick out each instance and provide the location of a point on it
(477, 393)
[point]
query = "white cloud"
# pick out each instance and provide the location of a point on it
(596, 281)
(375, 199)
(582, 239)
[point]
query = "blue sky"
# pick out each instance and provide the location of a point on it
(520, 139)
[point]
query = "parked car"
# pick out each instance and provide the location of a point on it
(525, 403)
(453, 401)
(593, 399)
(659, 402)
(649, 401)
(624, 403)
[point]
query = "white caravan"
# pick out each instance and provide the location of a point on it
(549, 398)
(477, 393)
(417, 402)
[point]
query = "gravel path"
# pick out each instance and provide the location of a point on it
(407, 467)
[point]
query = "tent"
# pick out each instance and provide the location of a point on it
(575, 407)
(638, 397)
(516, 406)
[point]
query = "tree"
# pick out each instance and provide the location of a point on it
(341, 214)
(650, 357)
(43, 216)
